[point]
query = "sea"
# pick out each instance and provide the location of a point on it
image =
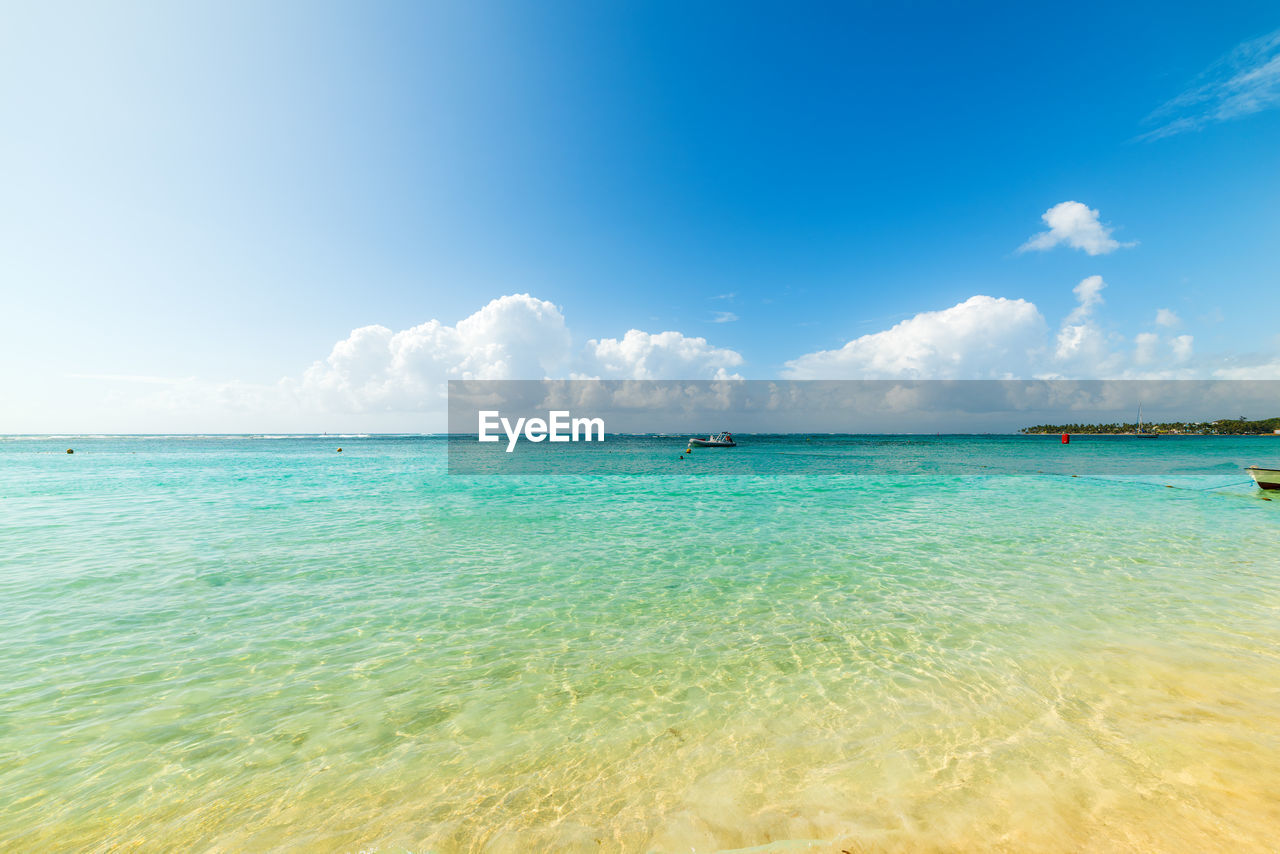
(260, 643)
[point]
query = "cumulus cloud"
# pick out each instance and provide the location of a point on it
(1088, 296)
(380, 379)
(1244, 82)
(1077, 226)
(664, 355)
(1081, 346)
(1181, 347)
(1084, 349)
(513, 337)
(986, 337)
(1145, 347)
(377, 378)
(374, 368)
(982, 337)
(1249, 368)
(1080, 351)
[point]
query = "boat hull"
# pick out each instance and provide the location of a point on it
(1265, 478)
(703, 443)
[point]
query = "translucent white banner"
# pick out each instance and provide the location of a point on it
(919, 427)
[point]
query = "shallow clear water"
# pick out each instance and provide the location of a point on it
(249, 644)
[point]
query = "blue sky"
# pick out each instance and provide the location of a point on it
(201, 200)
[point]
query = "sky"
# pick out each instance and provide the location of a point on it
(244, 217)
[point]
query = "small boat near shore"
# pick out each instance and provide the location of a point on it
(715, 440)
(1265, 478)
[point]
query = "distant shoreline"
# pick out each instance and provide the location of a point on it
(1220, 427)
(666, 434)
(1152, 433)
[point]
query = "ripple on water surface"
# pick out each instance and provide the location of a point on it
(219, 645)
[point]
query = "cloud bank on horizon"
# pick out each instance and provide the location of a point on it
(516, 336)
(376, 370)
(656, 202)
(988, 337)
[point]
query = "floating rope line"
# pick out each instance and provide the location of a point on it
(1101, 478)
(1206, 488)
(1140, 483)
(1115, 480)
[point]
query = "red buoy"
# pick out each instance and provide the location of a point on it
(1066, 438)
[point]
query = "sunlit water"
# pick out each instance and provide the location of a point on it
(234, 644)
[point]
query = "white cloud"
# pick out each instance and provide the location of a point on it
(1253, 368)
(724, 317)
(1088, 295)
(1077, 226)
(985, 337)
(665, 355)
(1081, 347)
(1144, 352)
(1244, 82)
(1181, 347)
(1167, 317)
(379, 379)
(513, 337)
(980, 337)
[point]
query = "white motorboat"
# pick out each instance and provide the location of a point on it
(720, 440)
(1265, 478)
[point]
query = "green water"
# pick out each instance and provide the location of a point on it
(233, 644)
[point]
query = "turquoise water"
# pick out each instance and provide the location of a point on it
(878, 455)
(234, 644)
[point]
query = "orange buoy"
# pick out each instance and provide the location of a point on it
(339, 450)
(69, 451)
(1066, 438)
